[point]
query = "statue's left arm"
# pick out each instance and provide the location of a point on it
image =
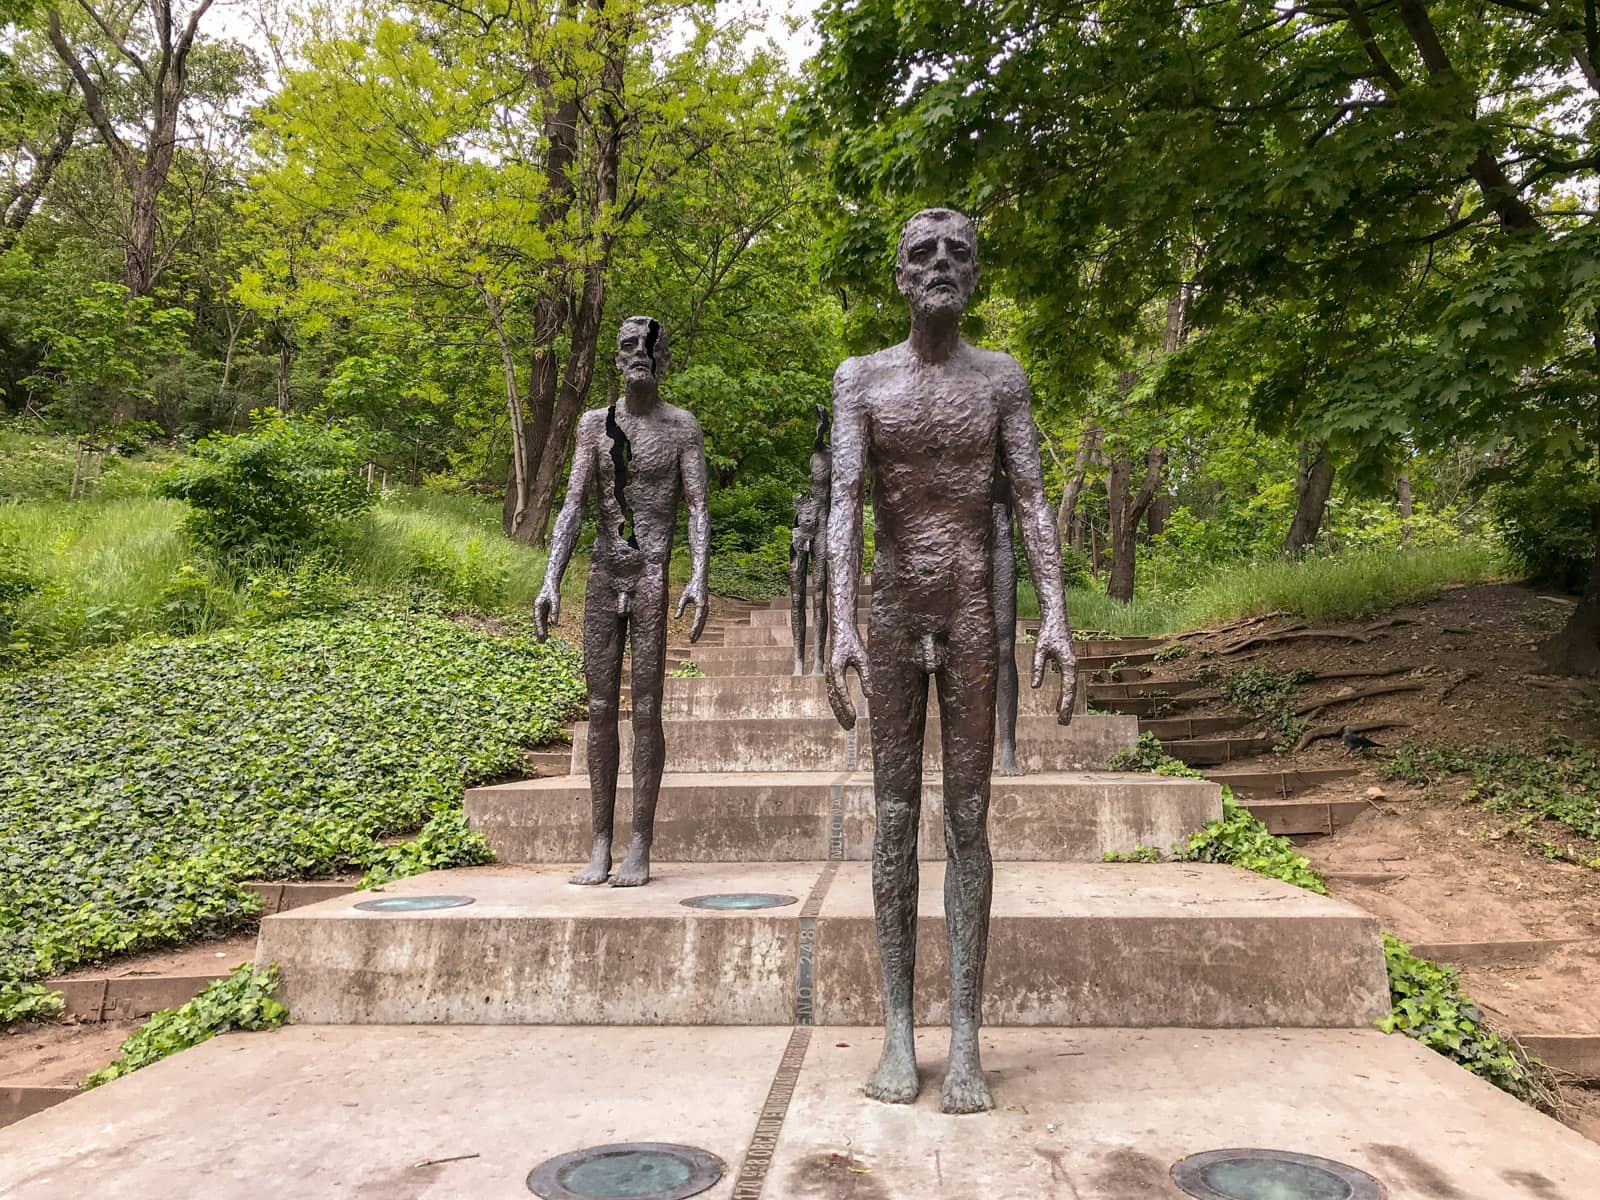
(1019, 448)
(692, 466)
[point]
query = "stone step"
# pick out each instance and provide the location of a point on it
(1288, 817)
(1104, 652)
(1069, 944)
(779, 660)
(794, 816)
(1151, 707)
(1155, 690)
(1100, 1113)
(1201, 752)
(778, 618)
(819, 744)
(786, 696)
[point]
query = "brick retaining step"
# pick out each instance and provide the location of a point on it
(1069, 944)
(1199, 752)
(819, 744)
(1289, 817)
(1190, 727)
(751, 817)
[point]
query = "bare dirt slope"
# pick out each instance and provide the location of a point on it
(1433, 863)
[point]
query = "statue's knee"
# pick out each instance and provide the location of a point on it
(602, 709)
(646, 708)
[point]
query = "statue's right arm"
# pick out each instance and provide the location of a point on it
(547, 608)
(850, 431)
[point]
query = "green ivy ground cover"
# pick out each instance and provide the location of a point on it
(139, 789)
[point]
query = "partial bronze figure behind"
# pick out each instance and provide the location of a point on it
(1003, 595)
(927, 418)
(638, 457)
(808, 541)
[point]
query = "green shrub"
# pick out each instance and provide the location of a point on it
(141, 788)
(1147, 754)
(287, 487)
(744, 515)
(28, 1002)
(1546, 518)
(18, 581)
(754, 574)
(243, 1000)
(311, 586)
(192, 603)
(1427, 1004)
(445, 841)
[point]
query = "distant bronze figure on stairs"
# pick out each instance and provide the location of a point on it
(808, 542)
(927, 419)
(637, 457)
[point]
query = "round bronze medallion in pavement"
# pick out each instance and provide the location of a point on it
(1272, 1175)
(627, 1171)
(739, 901)
(392, 904)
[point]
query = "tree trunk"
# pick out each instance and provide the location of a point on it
(1402, 491)
(1067, 520)
(21, 204)
(1126, 511)
(1315, 484)
(139, 240)
(1155, 520)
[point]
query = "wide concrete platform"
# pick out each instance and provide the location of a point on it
(1070, 944)
(1086, 1114)
(820, 744)
(794, 816)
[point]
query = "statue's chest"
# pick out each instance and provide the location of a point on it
(948, 419)
(644, 455)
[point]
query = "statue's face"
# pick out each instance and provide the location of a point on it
(937, 267)
(641, 350)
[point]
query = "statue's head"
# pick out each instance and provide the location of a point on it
(642, 349)
(936, 267)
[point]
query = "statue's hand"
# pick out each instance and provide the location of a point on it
(546, 611)
(846, 652)
(1055, 645)
(694, 594)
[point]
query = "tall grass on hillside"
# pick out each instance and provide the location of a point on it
(1338, 588)
(38, 466)
(102, 565)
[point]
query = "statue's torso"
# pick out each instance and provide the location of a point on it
(648, 463)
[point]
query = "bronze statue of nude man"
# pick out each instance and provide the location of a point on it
(638, 457)
(927, 418)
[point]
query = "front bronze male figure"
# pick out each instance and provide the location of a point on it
(637, 456)
(927, 418)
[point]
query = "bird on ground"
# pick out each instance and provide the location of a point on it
(1355, 743)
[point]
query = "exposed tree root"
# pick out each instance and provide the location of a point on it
(1318, 732)
(1464, 677)
(1294, 635)
(1233, 627)
(1387, 689)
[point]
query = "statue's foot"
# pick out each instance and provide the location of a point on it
(593, 875)
(799, 668)
(895, 1081)
(634, 871)
(964, 1088)
(1008, 763)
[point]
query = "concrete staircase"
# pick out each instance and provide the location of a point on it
(766, 794)
(1136, 1015)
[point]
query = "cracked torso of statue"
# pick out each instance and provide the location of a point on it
(807, 548)
(929, 420)
(637, 458)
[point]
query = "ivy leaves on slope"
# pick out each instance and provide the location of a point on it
(140, 789)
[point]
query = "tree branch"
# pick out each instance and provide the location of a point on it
(93, 102)
(119, 42)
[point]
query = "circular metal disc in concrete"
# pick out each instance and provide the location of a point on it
(413, 903)
(740, 901)
(1272, 1175)
(627, 1171)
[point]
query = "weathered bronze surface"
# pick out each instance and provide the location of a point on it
(638, 457)
(1003, 595)
(808, 542)
(927, 419)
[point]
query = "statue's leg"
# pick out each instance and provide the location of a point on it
(603, 632)
(1003, 595)
(899, 708)
(648, 632)
(966, 707)
(819, 602)
(798, 552)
